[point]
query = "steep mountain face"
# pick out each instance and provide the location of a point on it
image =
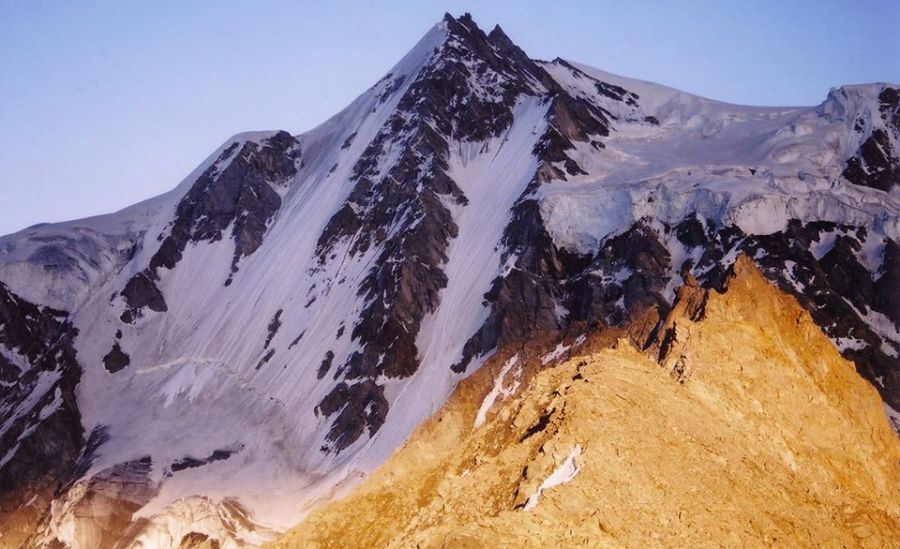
(602, 447)
(41, 433)
(209, 365)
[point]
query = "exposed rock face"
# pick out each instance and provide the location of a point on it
(189, 462)
(237, 191)
(632, 273)
(876, 162)
(239, 194)
(887, 298)
(361, 405)
(783, 440)
(524, 301)
(196, 540)
(837, 290)
(40, 429)
(553, 289)
(141, 292)
(116, 359)
(273, 327)
(104, 506)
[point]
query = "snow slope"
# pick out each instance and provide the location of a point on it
(754, 167)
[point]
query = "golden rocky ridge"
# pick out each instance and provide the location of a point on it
(750, 430)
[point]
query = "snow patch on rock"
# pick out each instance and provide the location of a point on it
(566, 472)
(497, 390)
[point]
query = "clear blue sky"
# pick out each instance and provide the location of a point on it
(103, 104)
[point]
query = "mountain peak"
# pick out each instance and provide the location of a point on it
(465, 19)
(497, 34)
(464, 27)
(471, 80)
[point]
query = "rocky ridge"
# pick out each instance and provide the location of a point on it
(608, 446)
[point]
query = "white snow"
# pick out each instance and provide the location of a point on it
(824, 244)
(678, 253)
(845, 343)
(497, 390)
(202, 515)
(755, 167)
(15, 358)
(561, 349)
(789, 267)
(42, 386)
(564, 473)
(882, 326)
(557, 352)
(492, 175)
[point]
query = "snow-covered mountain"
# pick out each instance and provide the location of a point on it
(220, 359)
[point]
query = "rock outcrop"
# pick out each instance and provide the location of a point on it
(41, 437)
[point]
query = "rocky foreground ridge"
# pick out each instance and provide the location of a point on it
(744, 428)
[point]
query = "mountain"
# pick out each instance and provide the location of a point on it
(210, 365)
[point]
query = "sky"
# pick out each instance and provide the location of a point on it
(104, 104)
